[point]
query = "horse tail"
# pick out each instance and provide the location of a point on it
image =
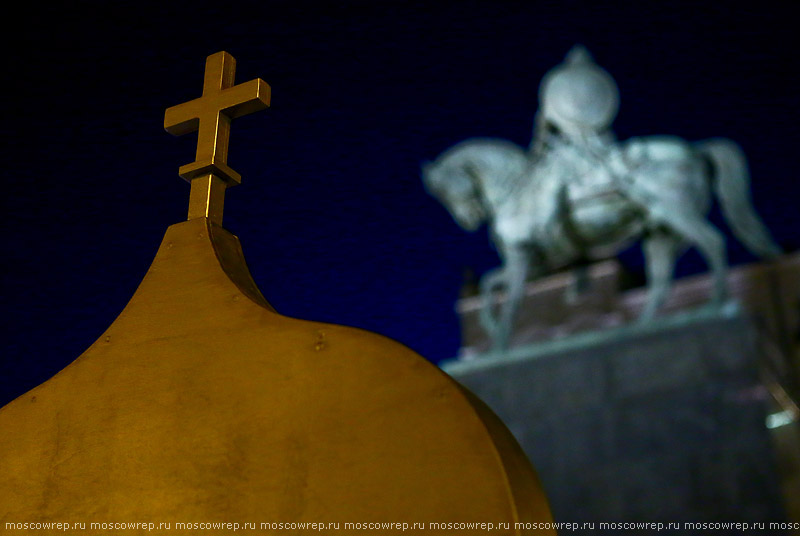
(732, 188)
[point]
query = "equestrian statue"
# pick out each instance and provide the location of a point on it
(579, 195)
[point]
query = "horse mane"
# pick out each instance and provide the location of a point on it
(494, 153)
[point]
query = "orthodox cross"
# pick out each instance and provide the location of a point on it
(211, 115)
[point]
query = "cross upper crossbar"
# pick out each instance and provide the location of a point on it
(211, 115)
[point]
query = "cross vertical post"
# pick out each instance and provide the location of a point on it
(211, 115)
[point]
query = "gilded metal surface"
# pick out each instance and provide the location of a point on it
(201, 403)
(211, 115)
(207, 198)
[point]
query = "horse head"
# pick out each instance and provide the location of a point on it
(457, 188)
(472, 178)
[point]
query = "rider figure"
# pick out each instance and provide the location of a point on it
(573, 142)
(579, 101)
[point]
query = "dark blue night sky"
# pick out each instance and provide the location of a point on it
(331, 212)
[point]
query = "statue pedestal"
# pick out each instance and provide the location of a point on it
(658, 423)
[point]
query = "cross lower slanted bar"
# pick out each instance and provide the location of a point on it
(210, 115)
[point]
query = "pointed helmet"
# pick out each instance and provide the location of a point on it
(578, 95)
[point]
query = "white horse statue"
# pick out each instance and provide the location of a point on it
(579, 195)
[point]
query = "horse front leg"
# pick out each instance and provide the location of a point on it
(515, 272)
(693, 228)
(491, 281)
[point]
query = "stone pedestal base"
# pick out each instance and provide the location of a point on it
(664, 423)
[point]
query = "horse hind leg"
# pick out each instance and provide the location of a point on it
(693, 228)
(660, 250)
